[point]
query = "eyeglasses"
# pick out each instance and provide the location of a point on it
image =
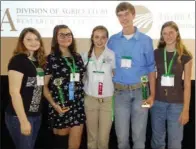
(65, 36)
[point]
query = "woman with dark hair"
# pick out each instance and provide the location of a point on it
(172, 99)
(100, 64)
(26, 80)
(63, 89)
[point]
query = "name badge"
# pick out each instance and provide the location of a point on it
(40, 76)
(40, 80)
(98, 76)
(167, 80)
(75, 78)
(71, 91)
(126, 62)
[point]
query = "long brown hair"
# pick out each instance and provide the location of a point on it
(100, 27)
(180, 47)
(55, 46)
(20, 48)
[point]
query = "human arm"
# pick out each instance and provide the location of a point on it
(48, 96)
(184, 117)
(15, 81)
(150, 64)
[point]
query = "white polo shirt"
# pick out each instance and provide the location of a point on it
(105, 63)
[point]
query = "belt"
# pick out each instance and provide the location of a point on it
(100, 100)
(127, 87)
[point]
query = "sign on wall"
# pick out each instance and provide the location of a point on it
(83, 16)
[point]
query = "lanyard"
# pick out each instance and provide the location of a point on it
(73, 68)
(39, 70)
(168, 71)
(95, 64)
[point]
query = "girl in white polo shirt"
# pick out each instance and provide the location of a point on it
(98, 86)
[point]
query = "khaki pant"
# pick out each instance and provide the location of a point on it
(99, 121)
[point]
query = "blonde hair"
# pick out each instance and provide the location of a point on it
(180, 47)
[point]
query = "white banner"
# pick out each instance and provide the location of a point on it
(83, 16)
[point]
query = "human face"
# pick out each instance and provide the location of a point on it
(99, 38)
(125, 18)
(31, 42)
(169, 35)
(64, 37)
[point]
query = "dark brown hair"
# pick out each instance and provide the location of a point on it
(20, 48)
(55, 46)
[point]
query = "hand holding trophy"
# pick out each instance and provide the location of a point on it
(144, 81)
(58, 82)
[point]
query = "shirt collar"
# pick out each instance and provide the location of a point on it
(101, 56)
(136, 34)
